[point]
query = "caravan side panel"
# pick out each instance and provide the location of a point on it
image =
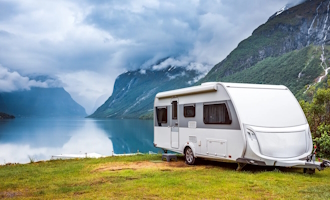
(214, 143)
(218, 141)
(162, 134)
(162, 137)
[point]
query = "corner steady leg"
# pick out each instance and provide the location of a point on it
(240, 166)
(309, 171)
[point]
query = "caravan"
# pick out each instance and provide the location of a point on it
(243, 123)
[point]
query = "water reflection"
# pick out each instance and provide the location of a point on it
(129, 136)
(42, 138)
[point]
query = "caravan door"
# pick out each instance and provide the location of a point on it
(174, 124)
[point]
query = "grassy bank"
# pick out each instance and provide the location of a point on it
(145, 176)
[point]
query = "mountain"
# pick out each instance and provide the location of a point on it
(134, 91)
(291, 48)
(40, 102)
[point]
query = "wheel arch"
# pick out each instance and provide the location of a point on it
(192, 147)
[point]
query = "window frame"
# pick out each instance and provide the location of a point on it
(176, 113)
(166, 112)
(218, 103)
(184, 111)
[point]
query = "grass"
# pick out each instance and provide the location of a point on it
(32, 159)
(144, 177)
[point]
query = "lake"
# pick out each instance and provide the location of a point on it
(40, 138)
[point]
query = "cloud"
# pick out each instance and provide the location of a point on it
(170, 62)
(108, 37)
(84, 87)
(186, 63)
(12, 81)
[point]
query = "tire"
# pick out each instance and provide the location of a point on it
(189, 156)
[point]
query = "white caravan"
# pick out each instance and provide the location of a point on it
(243, 123)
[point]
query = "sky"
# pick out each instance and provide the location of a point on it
(84, 45)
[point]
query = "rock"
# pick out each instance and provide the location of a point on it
(6, 116)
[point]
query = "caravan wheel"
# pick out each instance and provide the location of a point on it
(189, 156)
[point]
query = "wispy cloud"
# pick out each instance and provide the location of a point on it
(12, 81)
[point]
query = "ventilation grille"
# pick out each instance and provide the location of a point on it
(193, 139)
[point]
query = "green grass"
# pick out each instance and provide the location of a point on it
(92, 178)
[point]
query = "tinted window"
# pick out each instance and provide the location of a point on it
(216, 114)
(161, 116)
(174, 110)
(189, 111)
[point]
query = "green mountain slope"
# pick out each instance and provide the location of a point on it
(134, 92)
(283, 70)
(273, 43)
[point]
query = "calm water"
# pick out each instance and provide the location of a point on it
(42, 138)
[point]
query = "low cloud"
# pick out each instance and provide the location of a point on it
(12, 81)
(170, 62)
(89, 89)
(183, 62)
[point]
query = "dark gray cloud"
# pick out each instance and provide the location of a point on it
(91, 42)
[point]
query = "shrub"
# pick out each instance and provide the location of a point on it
(323, 144)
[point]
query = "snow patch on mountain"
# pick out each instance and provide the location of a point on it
(286, 7)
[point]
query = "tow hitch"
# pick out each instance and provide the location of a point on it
(311, 161)
(325, 163)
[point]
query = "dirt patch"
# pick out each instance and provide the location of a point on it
(9, 194)
(79, 193)
(163, 166)
(99, 181)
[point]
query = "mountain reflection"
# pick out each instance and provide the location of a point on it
(42, 138)
(129, 135)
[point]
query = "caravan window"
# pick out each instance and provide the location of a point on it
(174, 110)
(161, 115)
(189, 110)
(216, 114)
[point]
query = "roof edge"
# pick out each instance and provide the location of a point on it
(187, 91)
(247, 85)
